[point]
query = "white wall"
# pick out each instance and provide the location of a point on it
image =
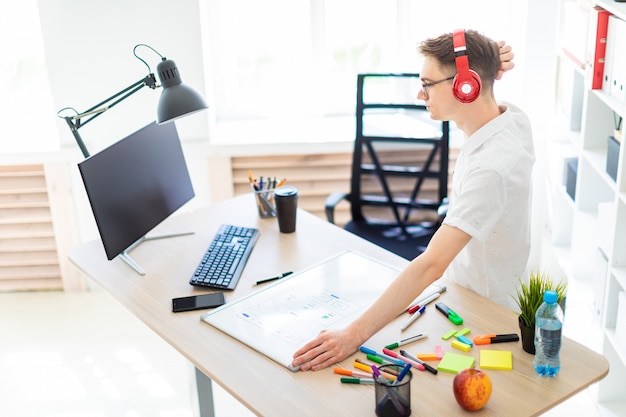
(89, 53)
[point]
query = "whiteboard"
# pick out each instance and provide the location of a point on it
(279, 319)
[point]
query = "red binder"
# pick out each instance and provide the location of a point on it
(596, 50)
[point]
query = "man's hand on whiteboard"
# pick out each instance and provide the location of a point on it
(328, 348)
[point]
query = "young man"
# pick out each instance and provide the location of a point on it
(484, 241)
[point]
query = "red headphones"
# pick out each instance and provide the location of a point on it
(466, 84)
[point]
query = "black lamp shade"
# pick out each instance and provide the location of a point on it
(177, 99)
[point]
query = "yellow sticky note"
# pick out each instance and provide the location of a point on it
(496, 359)
(460, 345)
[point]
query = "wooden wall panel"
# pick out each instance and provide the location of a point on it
(28, 253)
(315, 176)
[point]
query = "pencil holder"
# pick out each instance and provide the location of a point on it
(393, 399)
(265, 202)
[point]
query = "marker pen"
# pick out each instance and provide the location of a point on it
(347, 380)
(424, 364)
(407, 341)
(404, 359)
(413, 317)
(449, 313)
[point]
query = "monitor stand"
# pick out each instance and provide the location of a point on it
(126, 257)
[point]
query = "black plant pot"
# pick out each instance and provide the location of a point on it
(528, 337)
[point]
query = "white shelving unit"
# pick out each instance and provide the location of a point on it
(588, 233)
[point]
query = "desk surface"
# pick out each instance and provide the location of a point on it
(270, 389)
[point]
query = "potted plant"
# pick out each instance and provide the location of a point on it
(529, 297)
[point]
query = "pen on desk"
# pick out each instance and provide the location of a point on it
(495, 338)
(365, 366)
(426, 301)
(358, 364)
(354, 374)
(413, 317)
(346, 380)
(388, 358)
(404, 359)
(378, 360)
(283, 275)
(407, 341)
(421, 362)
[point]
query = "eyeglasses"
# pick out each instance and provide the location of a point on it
(431, 84)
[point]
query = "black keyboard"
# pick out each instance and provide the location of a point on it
(224, 260)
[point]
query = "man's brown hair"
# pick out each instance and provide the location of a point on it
(483, 54)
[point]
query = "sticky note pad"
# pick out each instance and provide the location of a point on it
(455, 363)
(460, 345)
(496, 359)
(427, 357)
(439, 352)
(463, 332)
(448, 335)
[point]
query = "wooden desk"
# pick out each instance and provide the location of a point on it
(270, 389)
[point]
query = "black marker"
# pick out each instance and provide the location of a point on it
(283, 275)
(413, 358)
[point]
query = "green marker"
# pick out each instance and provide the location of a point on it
(347, 380)
(406, 341)
(451, 315)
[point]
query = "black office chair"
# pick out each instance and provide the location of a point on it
(399, 178)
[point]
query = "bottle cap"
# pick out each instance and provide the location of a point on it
(550, 296)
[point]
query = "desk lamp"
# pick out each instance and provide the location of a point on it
(177, 100)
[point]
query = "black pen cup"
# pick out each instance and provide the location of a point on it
(393, 399)
(286, 201)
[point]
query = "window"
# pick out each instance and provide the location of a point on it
(282, 58)
(28, 118)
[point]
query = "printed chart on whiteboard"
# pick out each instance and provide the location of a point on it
(313, 312)
(278, 319)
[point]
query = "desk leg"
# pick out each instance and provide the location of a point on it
(205, 394)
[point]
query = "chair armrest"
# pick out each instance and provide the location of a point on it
(442, 211)
(331, 202)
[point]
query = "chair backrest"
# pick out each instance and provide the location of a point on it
(400, 158)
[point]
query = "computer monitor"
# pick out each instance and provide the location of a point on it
(135, 184)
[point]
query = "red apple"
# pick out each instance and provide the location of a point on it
(472, 389)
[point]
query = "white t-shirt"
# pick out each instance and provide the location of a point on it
(490, 200)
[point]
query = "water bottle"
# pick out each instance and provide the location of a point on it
(548, 326)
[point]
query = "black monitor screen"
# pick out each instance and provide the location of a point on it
(135, 184)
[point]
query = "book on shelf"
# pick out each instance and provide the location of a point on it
(614, 78)
(596, 46)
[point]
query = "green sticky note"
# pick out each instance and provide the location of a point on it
(449, 334)
(496, 359)
(455, 363)
(462, 332)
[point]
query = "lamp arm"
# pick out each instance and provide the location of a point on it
(149, 80)
(77, 138)
(76, 122)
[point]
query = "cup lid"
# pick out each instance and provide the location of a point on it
(286, 191)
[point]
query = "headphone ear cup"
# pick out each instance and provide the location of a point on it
(466, 86)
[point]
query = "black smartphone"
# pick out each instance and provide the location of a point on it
(198, 302)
